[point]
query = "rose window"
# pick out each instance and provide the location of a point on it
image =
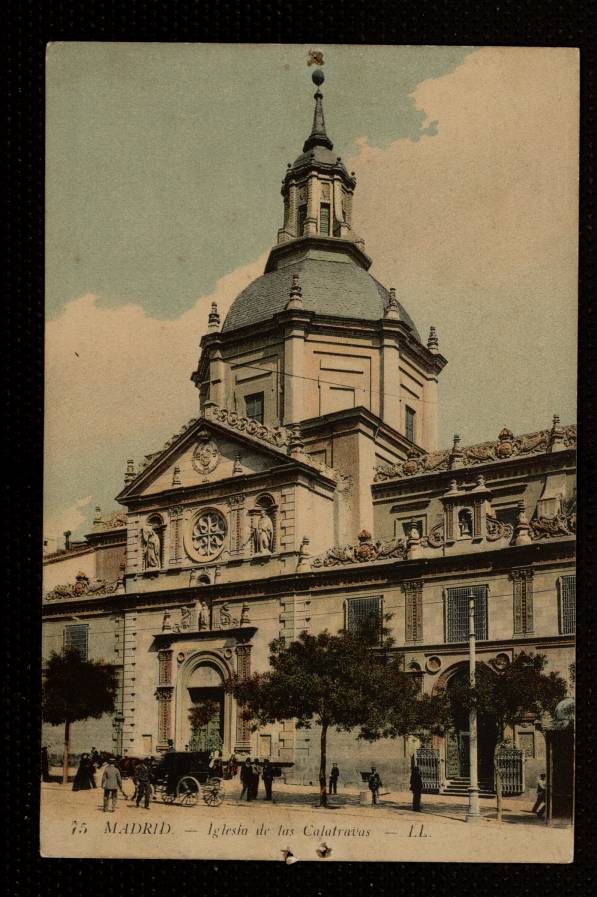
(208, 534)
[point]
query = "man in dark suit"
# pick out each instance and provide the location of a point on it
(334, 775)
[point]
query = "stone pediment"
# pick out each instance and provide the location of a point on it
(219, 445)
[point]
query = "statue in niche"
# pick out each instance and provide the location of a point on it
(203, 619)
(166, 625)
(465, 524)
(151, 548)
(263, 534)
(244, 615)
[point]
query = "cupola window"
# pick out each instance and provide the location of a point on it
(254, 406)
(324, 219)
(410, 416)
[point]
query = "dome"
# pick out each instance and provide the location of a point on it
(332, 285)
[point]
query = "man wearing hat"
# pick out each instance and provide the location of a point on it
(143, 783)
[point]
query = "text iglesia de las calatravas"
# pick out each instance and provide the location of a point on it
(307, 494)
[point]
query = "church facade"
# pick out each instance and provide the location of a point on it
(310, 492)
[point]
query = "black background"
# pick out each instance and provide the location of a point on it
(28, 26)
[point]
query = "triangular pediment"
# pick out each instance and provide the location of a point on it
(207, 451)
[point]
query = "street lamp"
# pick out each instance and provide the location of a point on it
(473, 814)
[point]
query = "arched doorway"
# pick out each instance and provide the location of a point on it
(201, 687)
(458, 738)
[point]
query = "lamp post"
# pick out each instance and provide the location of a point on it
(473, 814)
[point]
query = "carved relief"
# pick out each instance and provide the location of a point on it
(506, 446)
(278, 436)
(208, 533)
(83, 587)
(206, 455)
(364, 550)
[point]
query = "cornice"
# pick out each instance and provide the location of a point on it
(359, 576)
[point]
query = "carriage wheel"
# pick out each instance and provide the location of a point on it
(188, 791)
(213, 797)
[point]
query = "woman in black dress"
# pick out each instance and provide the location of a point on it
(83, 778)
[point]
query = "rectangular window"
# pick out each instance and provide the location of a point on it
(302, 214)
(324, 219)
(77, 637)
(568, 604)
(254, 406)
(364, 611)
(410, 423)
(457, 601)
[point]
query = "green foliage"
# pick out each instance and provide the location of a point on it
(76, 689)
(201, 714)
(342, 681)
(521, 688)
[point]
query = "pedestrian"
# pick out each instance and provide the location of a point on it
(232, 767)
(246, 778)
(112, 784)
(416, 786)
(95, 757)
(334, 775)
(170, 747)
(143, 783)
(268, 777)
(256, 773)
(374, 784)
(83, 778)
(217, 765)
(539, 806)
(45, 765)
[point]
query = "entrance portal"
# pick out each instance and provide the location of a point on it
(206, 709)
(458, 740)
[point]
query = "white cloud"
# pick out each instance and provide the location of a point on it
(475, 226)
(66, 518)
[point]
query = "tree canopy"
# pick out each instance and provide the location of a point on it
(522, 688)
(76, 689)
(344, 681)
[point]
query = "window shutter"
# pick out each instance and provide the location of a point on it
(361, 610)
(457, 613)
(77, 637)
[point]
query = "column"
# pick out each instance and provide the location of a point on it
(217, 379)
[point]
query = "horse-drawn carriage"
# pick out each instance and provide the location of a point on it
(185, 776)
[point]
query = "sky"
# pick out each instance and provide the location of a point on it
(163, 172)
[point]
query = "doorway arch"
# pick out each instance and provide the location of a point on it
(201, 678)
(457, 740)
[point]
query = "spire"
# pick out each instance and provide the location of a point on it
(318, 136)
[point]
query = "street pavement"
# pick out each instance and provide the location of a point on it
(74, 824)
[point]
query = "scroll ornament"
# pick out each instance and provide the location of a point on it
(83, 587)
(362, 551)
(506, 446)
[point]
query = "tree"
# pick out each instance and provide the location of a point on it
(76, 689)
(520, 689)
(342, 681)
(200, 715)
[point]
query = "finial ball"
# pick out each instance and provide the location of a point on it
(318, 77)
